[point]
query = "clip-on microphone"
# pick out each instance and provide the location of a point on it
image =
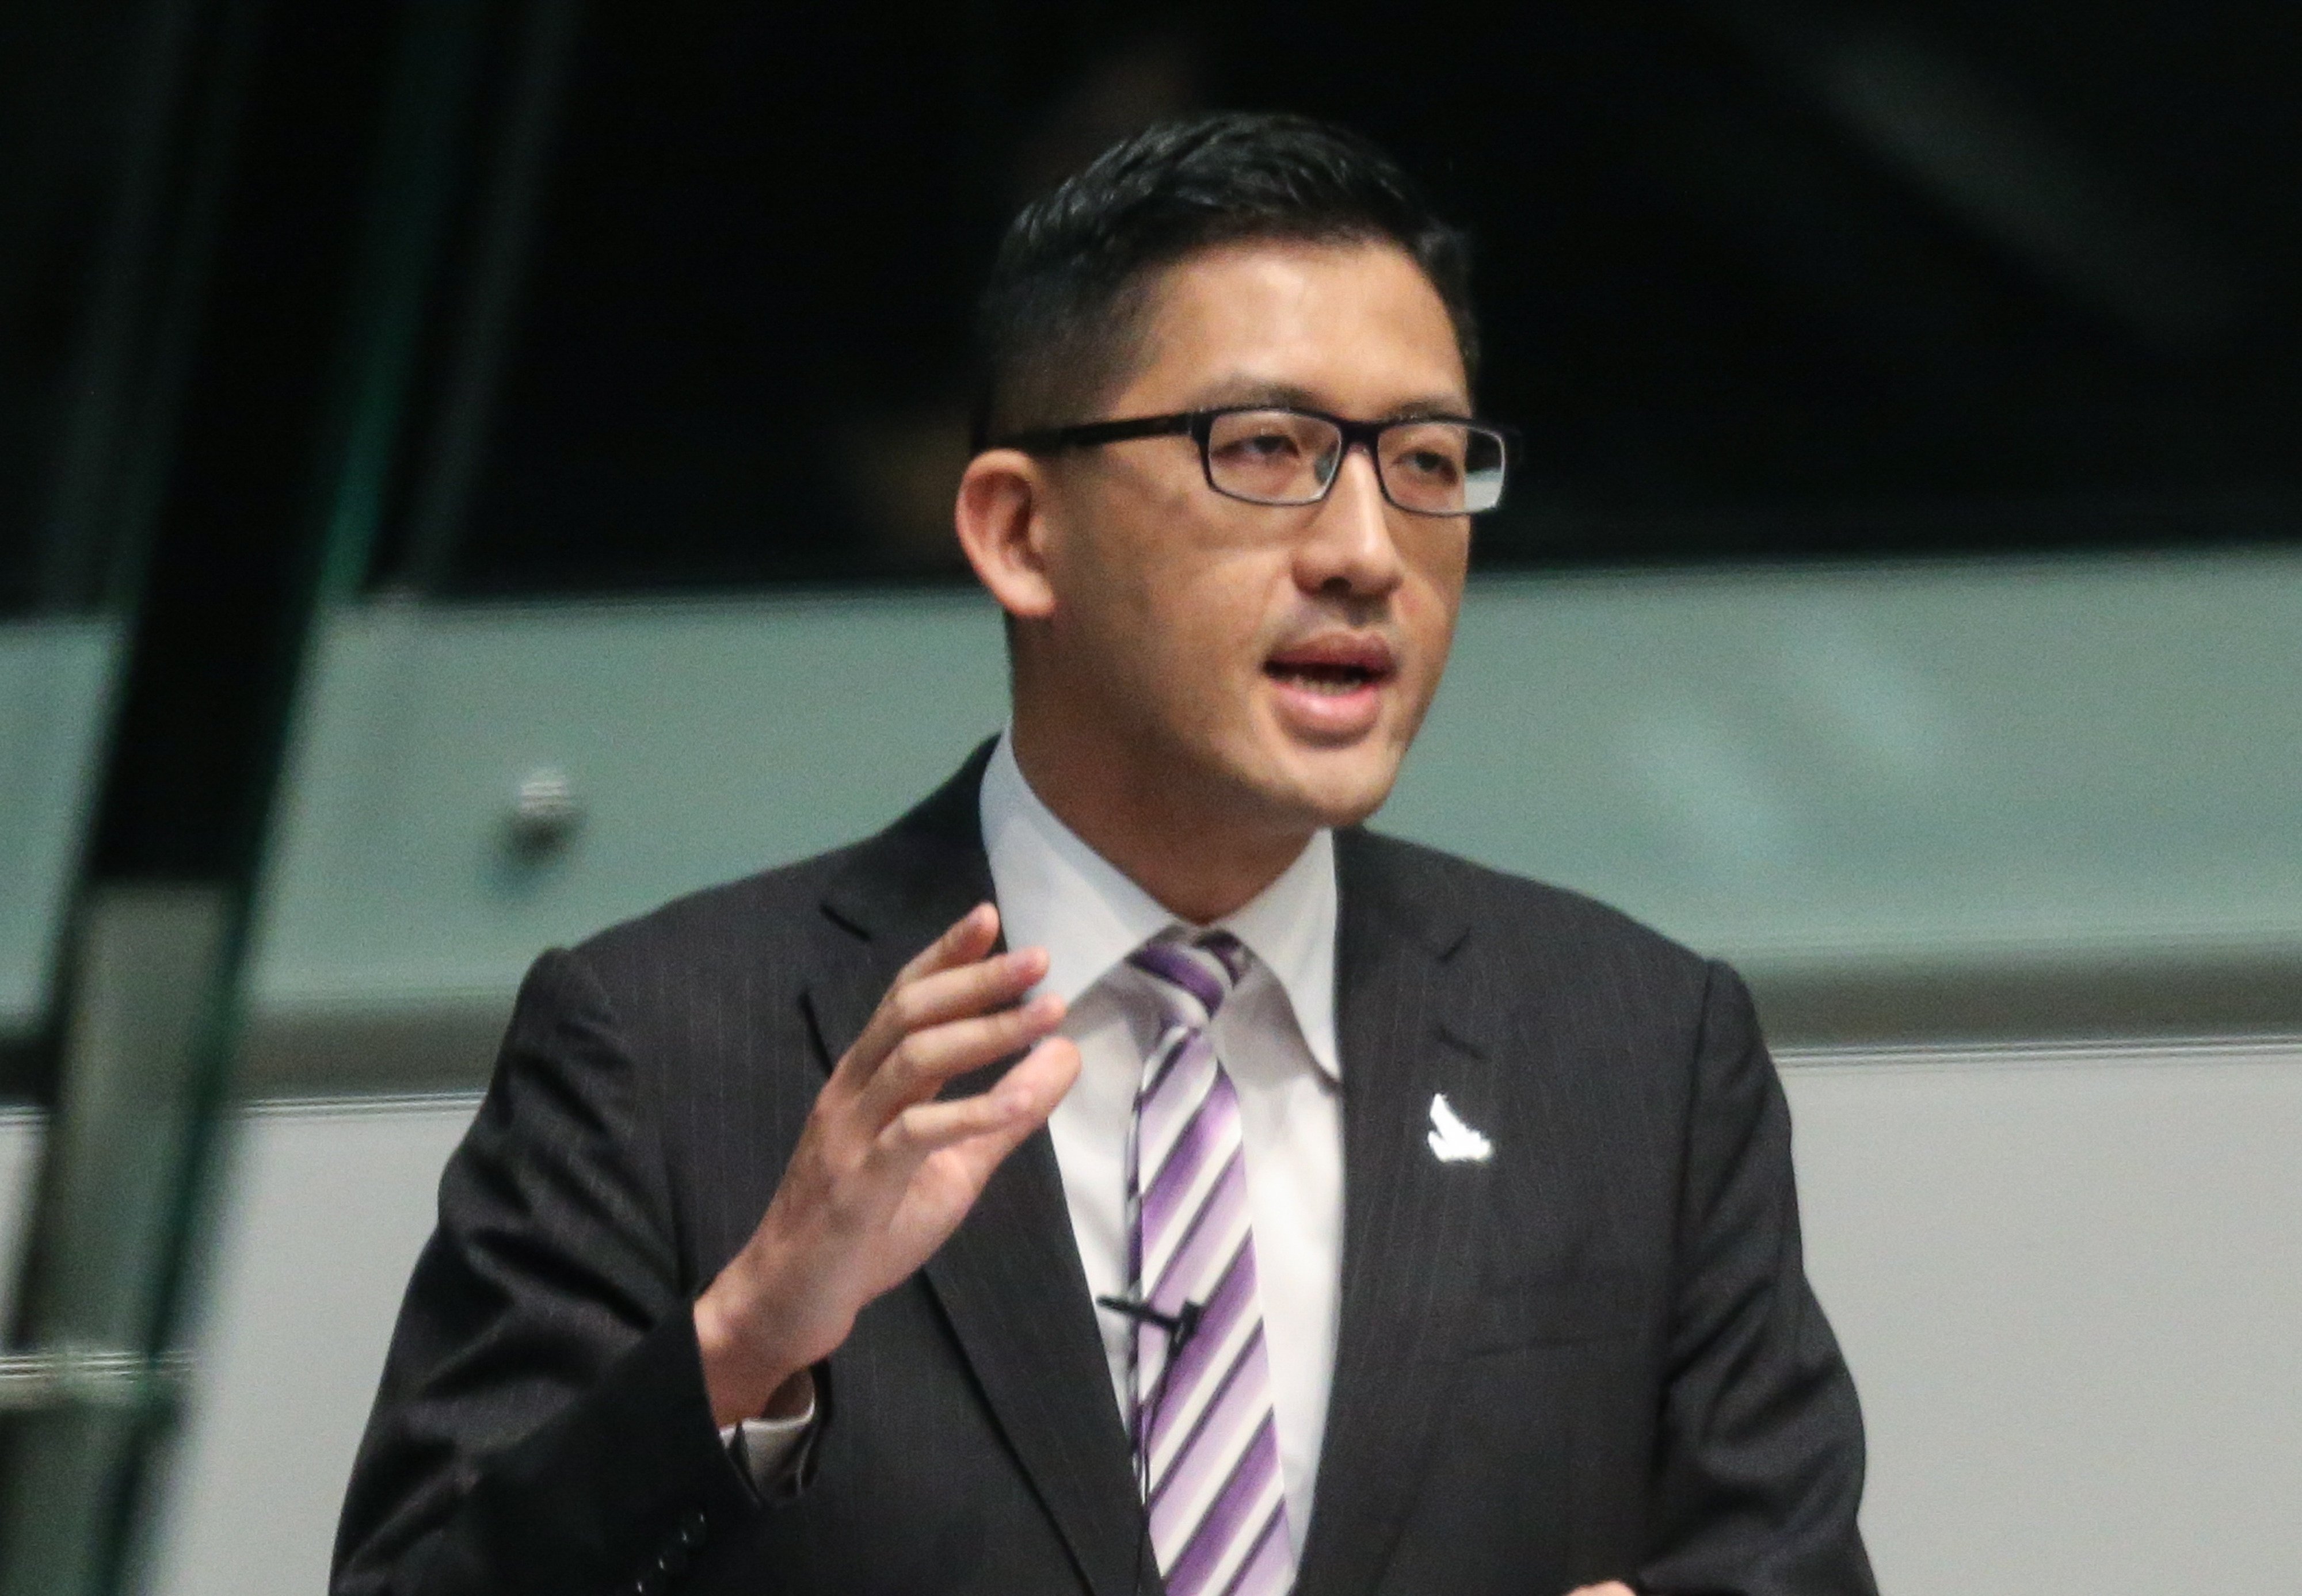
(1180, 1326)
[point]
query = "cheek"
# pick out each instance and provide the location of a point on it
(1427, 604)
(1169, 628)
(1207, 618)
(1197, 634)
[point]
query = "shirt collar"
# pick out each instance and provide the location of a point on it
(1057, 892)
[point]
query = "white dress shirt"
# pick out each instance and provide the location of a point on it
(1275, 1036)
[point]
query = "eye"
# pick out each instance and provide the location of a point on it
(1267, 444)
(1428, 463)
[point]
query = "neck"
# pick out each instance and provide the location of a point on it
(1197, 860)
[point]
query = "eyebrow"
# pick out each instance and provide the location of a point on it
(1288, 396)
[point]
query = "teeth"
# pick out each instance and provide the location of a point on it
(1332, 680)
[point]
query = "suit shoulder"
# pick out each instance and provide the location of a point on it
(752, 921)
(1554, 963)
(1519, 907)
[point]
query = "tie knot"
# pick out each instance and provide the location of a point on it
(1192, 974)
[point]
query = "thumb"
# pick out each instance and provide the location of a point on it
(1033, 1085)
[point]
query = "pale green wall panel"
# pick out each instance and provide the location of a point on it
(704, 741)
(1793, 768)
(1828, 764)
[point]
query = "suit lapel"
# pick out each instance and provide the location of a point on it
(1009, 1279)
(1411, 1224)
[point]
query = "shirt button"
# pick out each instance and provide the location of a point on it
(692, 1527)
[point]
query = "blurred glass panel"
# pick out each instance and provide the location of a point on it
(59, 112)
(292, 352)
(86, 96)
(20, 1158)
(107, 170)
(1758, 280)
(84, 91)
(54, 674)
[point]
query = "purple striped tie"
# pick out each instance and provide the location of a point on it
(1206, 1443)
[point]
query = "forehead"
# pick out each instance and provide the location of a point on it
(1358, 328)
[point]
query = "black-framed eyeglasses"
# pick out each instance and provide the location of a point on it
(1270, 454)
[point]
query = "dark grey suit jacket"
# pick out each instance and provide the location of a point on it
(1594, 1355)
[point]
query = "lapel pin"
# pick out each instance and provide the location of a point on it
(1451, 1140)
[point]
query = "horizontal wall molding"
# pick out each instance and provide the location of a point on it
(2024, 998)
(1809, 1012)
(313, 1093)
(393, 1054)
(2271, 1051)
(2007, 1008)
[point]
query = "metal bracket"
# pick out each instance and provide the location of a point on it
(91, 1377)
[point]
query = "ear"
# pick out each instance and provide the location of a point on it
(1002, 518)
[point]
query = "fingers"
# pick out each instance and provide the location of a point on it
(917, 1067)
(956, 993)
(949, 978)
(946, 1013)
(969, 938)
(926, 1129)
(997, 1120)
(1032, 1089)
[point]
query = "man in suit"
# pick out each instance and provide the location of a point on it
(1125, 1170)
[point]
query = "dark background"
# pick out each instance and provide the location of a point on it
(1759, 280)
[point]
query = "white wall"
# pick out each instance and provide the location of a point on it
(2069, 1282)
(329, 1204)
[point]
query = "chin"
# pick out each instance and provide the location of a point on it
(1336, 787)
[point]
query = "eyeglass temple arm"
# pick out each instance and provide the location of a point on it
(1087, 434)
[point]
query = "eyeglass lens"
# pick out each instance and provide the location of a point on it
(1282, 456)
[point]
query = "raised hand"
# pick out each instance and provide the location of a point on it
(885, 1172)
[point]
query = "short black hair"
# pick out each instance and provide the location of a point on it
(1060, 315)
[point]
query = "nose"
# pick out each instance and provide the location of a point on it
(1349, 549)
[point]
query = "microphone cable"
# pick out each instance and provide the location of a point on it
(1180, 1327)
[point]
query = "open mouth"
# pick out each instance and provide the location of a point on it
(1334, 680)
(1334, 667)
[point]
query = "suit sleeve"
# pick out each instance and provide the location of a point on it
(543, 1424)
(1759, 1464)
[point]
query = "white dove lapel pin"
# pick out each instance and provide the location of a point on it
(1451, 1140)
